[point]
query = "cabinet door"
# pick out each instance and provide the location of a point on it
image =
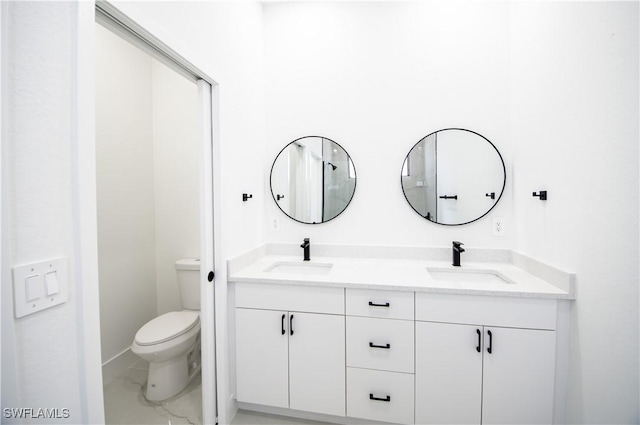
(448, 373)
(262, 357)
(317, 363)
(518, 376)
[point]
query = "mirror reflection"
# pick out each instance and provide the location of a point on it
(453, 176)
(313, 179)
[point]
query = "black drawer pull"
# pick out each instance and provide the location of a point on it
(479, 338)
(291, 325)
(387, 399)
(490, 349)
(372, 304)
(386, 346)
(283, 331)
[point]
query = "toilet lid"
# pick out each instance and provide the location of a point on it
(168, 326)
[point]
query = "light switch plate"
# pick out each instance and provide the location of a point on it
(30, 279)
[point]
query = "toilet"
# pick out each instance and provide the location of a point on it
(171, 342)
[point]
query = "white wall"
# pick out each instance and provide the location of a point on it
(574, 122)
(377, 77)
(176, 164)
(125, 191)
(38, 60)
(225, 40)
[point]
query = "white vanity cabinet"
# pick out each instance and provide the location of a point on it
(473, 366)
(290, 343)
(400, 357)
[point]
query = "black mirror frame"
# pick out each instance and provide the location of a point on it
(504, 176)
(355, 183)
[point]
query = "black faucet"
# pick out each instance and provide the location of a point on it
(306, 246)
(456, 251)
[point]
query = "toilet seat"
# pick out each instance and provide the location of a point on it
(167, 327)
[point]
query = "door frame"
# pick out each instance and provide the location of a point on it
(85, 206)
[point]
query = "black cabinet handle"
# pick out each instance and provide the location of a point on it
(490, 342)
(291, 325)
(449, 197)
(283, 331)
(479, 338)
(372, 304)
(387, 399)
(386, 346)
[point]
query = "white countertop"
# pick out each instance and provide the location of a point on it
(400, 275)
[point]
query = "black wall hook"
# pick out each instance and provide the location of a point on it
(246, 197)
(542, 195)
(278, 197)
(491, 195)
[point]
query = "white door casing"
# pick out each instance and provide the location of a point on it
(144, 36)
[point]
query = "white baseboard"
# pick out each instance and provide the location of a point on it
(299, 414)
(117, 365)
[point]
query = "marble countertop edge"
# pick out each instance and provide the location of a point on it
(407, 275)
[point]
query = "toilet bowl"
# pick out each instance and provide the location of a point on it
(171, 342)
(166, 342)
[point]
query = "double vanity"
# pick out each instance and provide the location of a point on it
(396, 334)
(380, 334)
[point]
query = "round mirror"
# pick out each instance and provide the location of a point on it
(453, 176)
(313, 179)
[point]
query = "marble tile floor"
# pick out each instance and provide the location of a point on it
(125, 404)
(124, 401)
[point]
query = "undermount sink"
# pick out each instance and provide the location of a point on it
(299, 268)
(467, 275)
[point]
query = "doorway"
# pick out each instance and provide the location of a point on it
(154, 140)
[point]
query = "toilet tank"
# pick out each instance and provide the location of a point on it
(188, 272)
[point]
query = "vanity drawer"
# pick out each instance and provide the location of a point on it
(376, 303)
(312, 299)
(510, 312)
(380, 396)
(383, 344)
